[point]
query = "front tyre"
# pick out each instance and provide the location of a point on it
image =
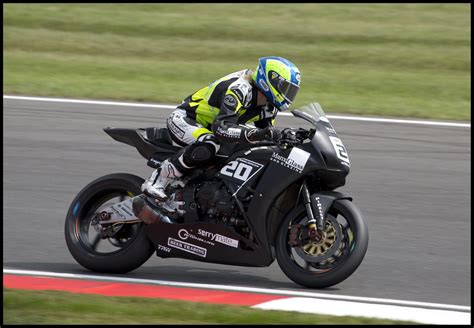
(331, 260)
(126, 247)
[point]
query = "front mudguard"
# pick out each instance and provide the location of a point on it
(321, 202)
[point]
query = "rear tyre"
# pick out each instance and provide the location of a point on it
(128, 247)
(333, 259)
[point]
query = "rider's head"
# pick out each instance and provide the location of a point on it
(278, 79)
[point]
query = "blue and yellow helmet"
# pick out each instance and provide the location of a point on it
(278, 79)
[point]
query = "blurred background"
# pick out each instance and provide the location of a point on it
(405, 60)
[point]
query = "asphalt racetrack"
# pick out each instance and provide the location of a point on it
(412, 183)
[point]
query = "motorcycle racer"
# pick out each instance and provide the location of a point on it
(218, 113)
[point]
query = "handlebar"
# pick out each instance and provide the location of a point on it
(300, 134)
(291, 136)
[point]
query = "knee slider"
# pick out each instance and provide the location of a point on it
(199, 153)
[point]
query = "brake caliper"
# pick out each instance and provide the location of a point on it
(294, 240)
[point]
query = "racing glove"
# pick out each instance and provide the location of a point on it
(233, 133)
(268, 133)
(275, 134)
(289, 134)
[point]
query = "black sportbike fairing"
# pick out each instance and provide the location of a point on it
(256, 187)
(257, 203)
(151, 143)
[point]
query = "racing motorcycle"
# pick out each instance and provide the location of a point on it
(256, 203)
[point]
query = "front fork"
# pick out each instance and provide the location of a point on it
(315, 223)
(317, 206)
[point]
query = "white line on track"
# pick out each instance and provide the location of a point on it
(371, 310)
(243, 289)
(337, 117)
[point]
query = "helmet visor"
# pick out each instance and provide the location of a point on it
(287, 89)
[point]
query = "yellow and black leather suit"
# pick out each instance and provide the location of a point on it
(217, 113)
(225, 105)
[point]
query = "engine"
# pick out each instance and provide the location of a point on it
(216, 204)
(215, 200)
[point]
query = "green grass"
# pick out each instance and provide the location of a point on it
(53, 307)
(404, 60)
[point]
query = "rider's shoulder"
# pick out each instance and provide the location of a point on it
(242, 83)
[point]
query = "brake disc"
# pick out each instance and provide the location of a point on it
(326, 246)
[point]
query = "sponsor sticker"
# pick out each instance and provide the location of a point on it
(184, 234)
(175, 129)
(296, 160)
(179, 121)
(230, 101)
(164, 248)
(248, 99)
(241, 88)
(234, 132)
(264, 85)
(230, 133)
(298, 77)
(219, 238)
(186, 247)
(210, 237)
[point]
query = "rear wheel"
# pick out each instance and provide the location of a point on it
(125, 247)
(330, 260)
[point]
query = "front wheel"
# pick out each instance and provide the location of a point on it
(125, 247)
(331, 259)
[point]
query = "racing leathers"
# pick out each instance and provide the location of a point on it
(216, 113)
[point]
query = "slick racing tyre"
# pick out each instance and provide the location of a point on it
(331, 259)
(125, 247)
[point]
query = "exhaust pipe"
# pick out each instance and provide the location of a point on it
(145, 210)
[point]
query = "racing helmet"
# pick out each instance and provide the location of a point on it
(278, 79)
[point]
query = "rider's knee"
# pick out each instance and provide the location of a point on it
(202, 151)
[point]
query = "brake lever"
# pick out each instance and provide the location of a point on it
(290, 142)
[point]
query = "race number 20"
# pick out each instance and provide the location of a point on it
(237, 170)
(241, 169)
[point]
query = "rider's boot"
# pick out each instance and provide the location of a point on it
(155, 186)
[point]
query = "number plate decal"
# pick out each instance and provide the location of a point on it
(340, 150)
(241, 169)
